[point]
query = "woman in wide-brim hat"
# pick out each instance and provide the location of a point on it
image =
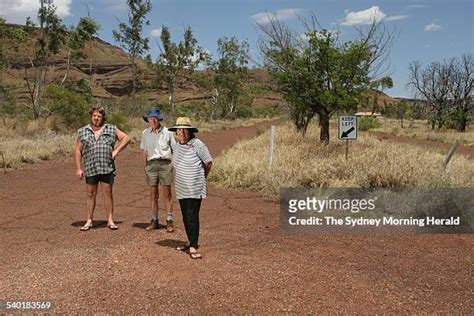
(192, 163)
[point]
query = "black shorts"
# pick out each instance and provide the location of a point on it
(106, 178)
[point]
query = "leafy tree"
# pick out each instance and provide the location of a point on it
(7, 104)
(52, 36)
(383, 83)
(10, 39)
(77, 38)
(317, 73)
(230, 70)
(71, 105)
(401, 109)
(129, 36)
(177, 61)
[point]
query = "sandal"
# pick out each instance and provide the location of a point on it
(195, 255)
(182, 248)
(86, 227)
(112, 227)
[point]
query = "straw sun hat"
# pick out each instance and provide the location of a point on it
(183, 122)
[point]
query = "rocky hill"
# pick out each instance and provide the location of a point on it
(108, 69)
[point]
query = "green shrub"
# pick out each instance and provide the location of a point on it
(7, 103)
(129, 106)
(70, 105)
(366, 122)
(180, 110)
(120, 120)
(245, 112)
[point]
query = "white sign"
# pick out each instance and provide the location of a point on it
(347, 127)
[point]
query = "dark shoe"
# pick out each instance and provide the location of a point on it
(152, 226)
(169, 226)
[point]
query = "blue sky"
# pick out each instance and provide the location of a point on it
(427, 30)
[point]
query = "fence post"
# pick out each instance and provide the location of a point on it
(450, 153)
(272, 144)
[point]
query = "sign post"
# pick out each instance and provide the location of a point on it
(347, 129)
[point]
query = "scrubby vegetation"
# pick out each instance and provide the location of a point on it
(365, 123)
(300, 161)
(421, 129)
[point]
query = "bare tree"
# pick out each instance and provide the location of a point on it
(462, 90)
(446, 87)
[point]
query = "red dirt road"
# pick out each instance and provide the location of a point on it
(249, 264)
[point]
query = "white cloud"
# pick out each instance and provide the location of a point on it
(368, 16)
(156, 32)
(16, 11)
(364, 17)
(433, 27)
(395, 17)
(282, 14)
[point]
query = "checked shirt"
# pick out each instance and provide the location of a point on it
(97, 154)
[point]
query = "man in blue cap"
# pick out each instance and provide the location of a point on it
(156, 145)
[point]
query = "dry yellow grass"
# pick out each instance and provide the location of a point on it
(138, 125)
(203, 126)
(305, 162)
(18, 150)
(422, 130)
(33, 141)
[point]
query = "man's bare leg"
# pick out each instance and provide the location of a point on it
(168, 201)
(91, 194)
(154, 194)
(166, 190)
(107, 191)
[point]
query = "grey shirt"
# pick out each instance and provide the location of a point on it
(157, 144)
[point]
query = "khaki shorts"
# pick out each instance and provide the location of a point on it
(159, 172)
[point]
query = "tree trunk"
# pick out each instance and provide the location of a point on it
(38, 93)
(324, 123)
(67, 67)
(462, 124)
(214, 102)
(90, 64)
(171, 101)
(134, 77)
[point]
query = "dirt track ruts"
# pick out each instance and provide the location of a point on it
(249, 265)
